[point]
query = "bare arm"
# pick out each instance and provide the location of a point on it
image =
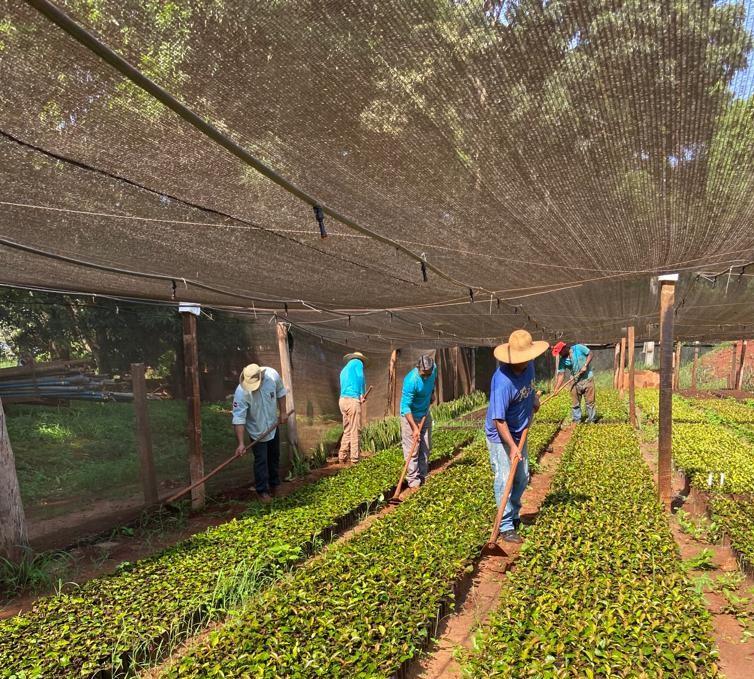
(240, 432)
(283, 413)
(412, 423)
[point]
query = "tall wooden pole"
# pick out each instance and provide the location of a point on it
(665, 440)
(456, 371)
(286, 372)
(741, 360)
(440, 362)
(631, 376)
(693, 368)
(677, 365)
(732, 375)
(194, 403)
(472, 369)
(390, 405)
(616, 365)
(13, 537)
(622, 366)
(143, 434)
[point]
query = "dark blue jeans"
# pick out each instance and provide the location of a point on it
(267, 464)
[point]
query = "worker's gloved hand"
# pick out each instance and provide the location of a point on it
(241, 449)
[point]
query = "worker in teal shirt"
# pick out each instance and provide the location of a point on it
(352, 390)
(577, 359)
(418, 387)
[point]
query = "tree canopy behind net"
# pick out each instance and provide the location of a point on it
(545, 159)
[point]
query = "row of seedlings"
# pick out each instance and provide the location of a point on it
(714, 458)
(599, 590)
(648, 402)
(386, 432)
(611, 407)
(368, 606)
(736, 519)
(112, 624)
(363, 607)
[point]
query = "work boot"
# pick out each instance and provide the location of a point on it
(265, 498)
(511, 536)
(516, 524)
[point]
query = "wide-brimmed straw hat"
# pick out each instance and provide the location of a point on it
(520, 348)
(356, 354)
(251, 377)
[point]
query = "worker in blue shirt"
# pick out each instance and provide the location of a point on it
(418, 386)
(513, 401)
(352, 390)
(578, 360)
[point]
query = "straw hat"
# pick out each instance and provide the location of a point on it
(251, 377)
(356, 354)
(520, 348)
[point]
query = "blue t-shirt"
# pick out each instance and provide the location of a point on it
(576, 358)
(352, 379)
(417, 393)
(511, 400)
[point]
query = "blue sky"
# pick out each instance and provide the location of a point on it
(743, 83)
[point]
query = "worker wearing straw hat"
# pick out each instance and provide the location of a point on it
(513, 401)
(352, 390)
(259, 396)
(578, 359)
(418, 386)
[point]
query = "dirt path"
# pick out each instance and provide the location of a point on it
(736, 656)
(361, 526)
(487, 581)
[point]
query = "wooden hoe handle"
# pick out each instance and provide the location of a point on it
(507, 490)
(408, 459)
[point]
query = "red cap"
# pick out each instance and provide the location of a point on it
(558, 348)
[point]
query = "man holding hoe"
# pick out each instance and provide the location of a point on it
(513, 402)
(578, 359)
(259, 395)
(416, 396)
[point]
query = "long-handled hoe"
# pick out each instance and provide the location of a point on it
(221, 466)
(395, 500)
(492, 547)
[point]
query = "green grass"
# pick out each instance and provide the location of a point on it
(88, 450)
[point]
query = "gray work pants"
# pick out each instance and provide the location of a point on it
(418, 468)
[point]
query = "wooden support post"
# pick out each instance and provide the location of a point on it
(631, 376)
(622, 366)
(693, 368)
(732, 375)
(391, 383)
(194, 403)
(286, 372)
(143, 434)
(456, 371)
(13, 537)
(741, 360)
(472, 370)
(440, 363)
(616, 365)
(665, 440)
(677, 365)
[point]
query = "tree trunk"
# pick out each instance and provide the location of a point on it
(12, 521)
